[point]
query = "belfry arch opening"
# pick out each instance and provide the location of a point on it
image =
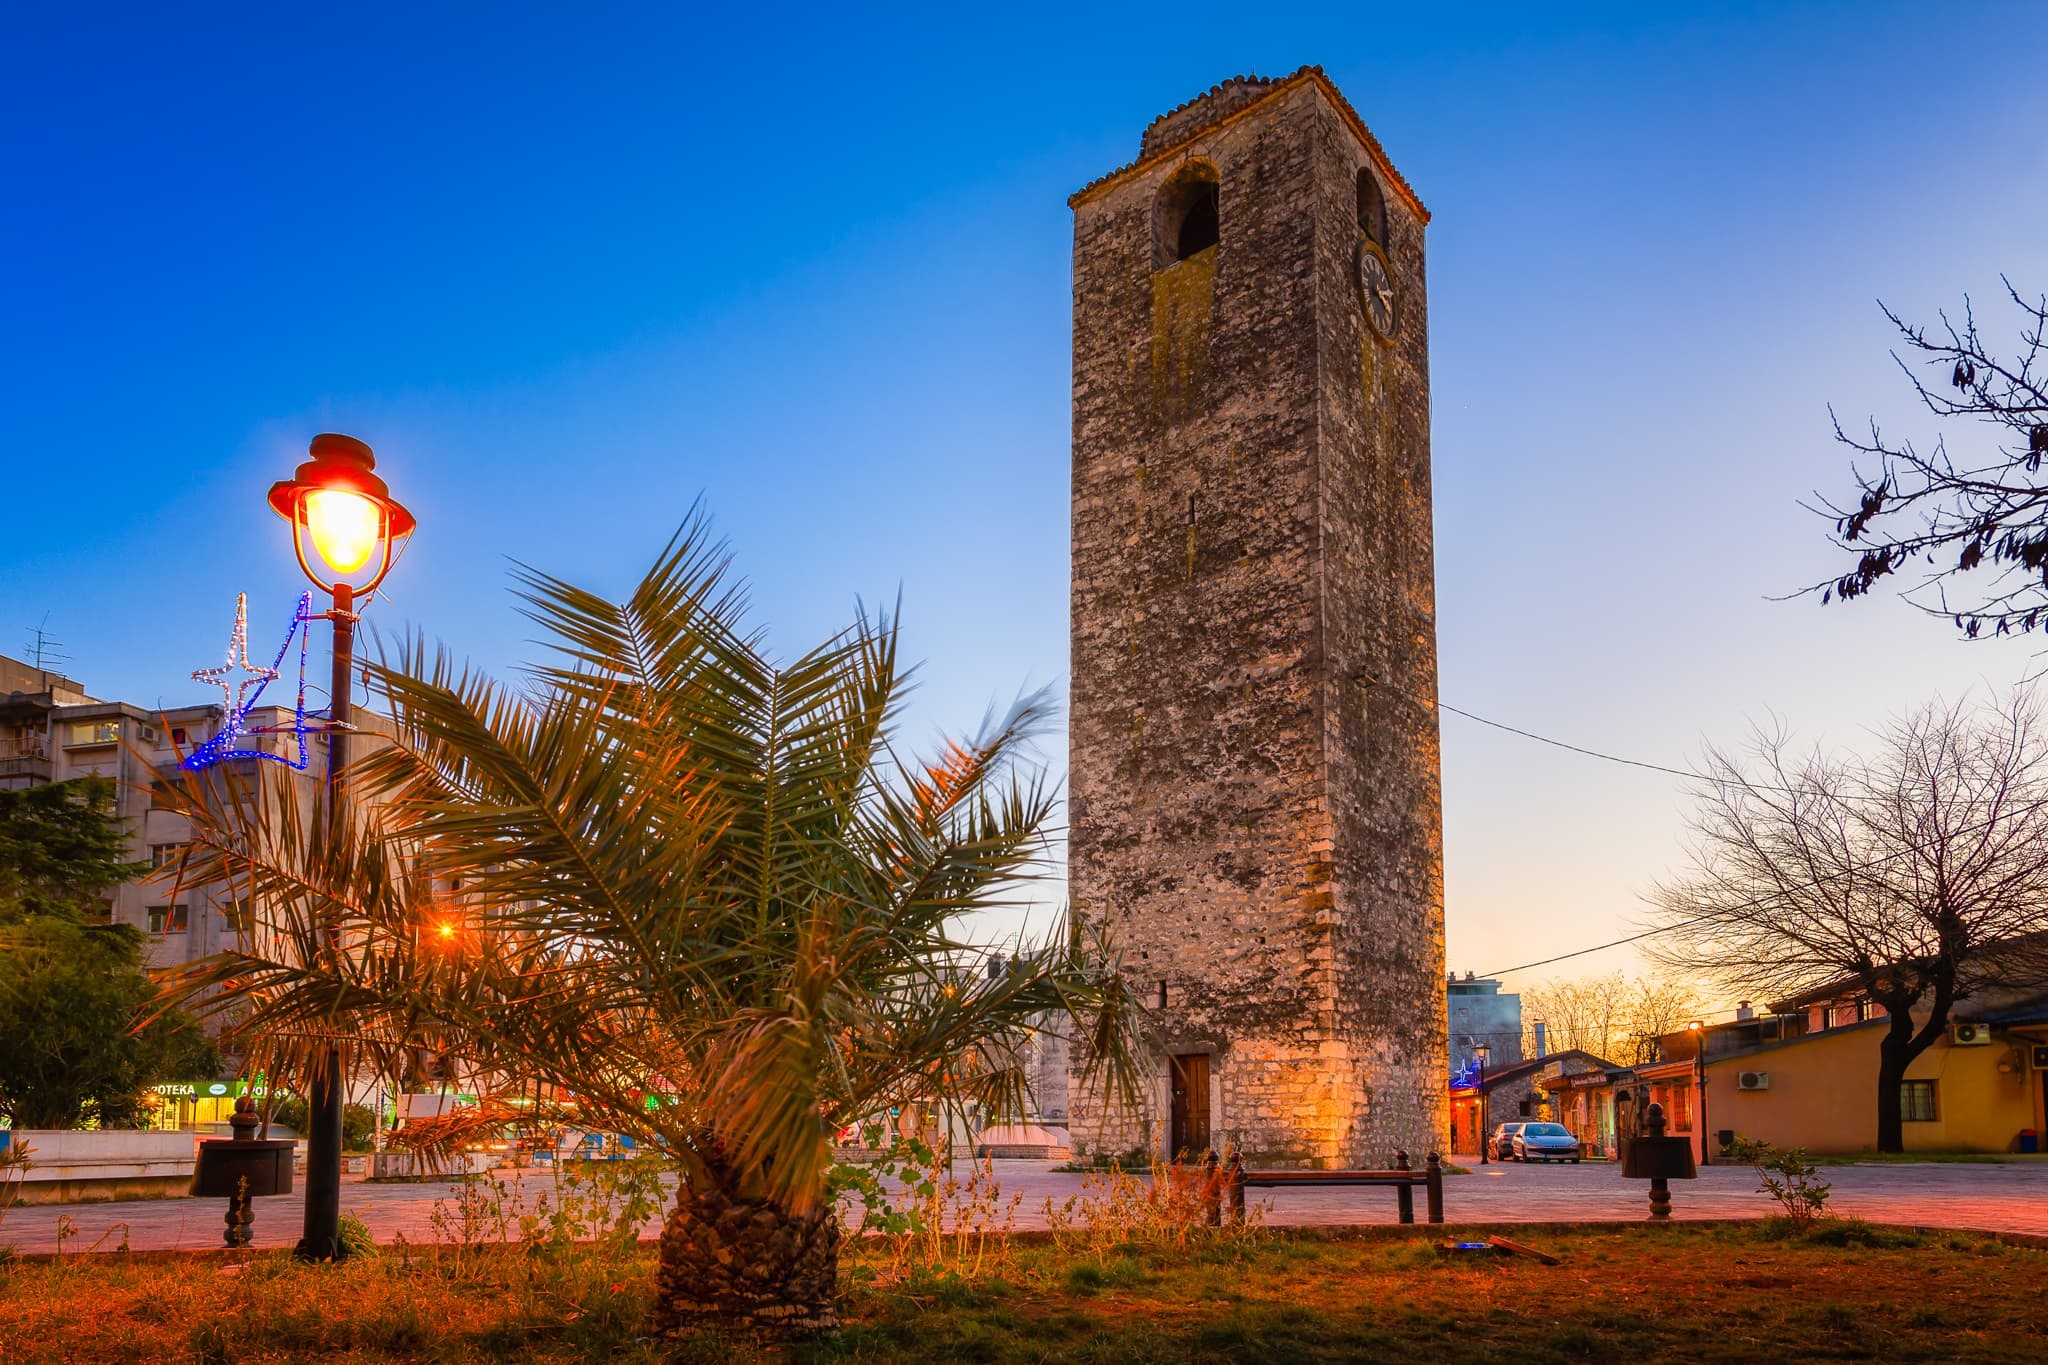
(1372, 208)
(1185, 218)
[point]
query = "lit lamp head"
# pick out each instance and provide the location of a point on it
(1482, 1052)
(337, 500)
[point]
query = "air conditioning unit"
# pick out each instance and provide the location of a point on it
(2038, 1054)
(148, 735)
(1752, 1080)
(1970, 1035)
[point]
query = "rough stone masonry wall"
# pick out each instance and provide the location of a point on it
(1273, 863)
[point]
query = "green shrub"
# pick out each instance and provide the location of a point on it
(356, 1241)
(1790, 1177)
(358, 1122)
(1854, 1232)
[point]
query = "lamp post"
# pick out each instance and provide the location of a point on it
(1698, 1029)
(1479, 1055)
(336, 500)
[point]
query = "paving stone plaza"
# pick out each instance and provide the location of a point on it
(2004, 1197)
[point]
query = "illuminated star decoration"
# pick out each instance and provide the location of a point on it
(245, 694)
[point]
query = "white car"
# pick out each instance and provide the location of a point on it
(1546, 1142)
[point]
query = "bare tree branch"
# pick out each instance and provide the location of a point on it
(1982, 517)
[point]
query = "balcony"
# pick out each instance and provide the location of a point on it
(34, 767)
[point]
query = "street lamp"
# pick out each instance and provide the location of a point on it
(1479, 1055)
(336, 501)
(1698, 1029)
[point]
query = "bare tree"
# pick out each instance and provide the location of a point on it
(1616, 1016)
(1657, 1005)
(1915, 876)
(1980, 513)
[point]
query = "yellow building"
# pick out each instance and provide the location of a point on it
(1977, 1089)
(1806, 1076)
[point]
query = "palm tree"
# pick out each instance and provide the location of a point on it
(699, 891)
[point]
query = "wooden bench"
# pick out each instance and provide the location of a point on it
(1402, 1178)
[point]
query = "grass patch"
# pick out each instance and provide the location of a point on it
(1727, 1293)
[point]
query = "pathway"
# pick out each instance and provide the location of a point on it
(1998, 1198)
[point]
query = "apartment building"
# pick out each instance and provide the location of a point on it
(52, 730)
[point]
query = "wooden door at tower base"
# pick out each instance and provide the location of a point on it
(1188, 1133)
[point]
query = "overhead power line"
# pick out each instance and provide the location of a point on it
(1596, 948)
(1580, 749)
(1605, 757)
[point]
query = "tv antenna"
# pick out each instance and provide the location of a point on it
(45, 652)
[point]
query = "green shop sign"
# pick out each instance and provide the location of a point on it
(211, 1090)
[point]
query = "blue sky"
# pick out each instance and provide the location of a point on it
(569, 273)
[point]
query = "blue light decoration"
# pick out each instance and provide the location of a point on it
(245, 694)
(1466, 1076)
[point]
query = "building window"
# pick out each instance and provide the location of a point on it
(1372, 209)
(88, 732)
(163, 855)
(167, 919)
(1525, 1109)
(1916, 1101)
(1185, 218)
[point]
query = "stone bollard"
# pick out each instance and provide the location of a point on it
(243, 1168)
(1659, 1160)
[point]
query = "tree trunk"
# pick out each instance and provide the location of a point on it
(1902, 1043)
(1893, 1055)
(746, 1266)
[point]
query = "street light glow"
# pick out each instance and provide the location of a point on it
(339, 503)
(346, 527)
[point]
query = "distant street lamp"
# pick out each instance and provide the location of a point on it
(337, 501)
(1698, 1029)
(1479, 1055)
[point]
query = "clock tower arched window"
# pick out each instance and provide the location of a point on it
(1185, 220)
(1372, 209)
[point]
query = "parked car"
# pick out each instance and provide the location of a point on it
(1546, 1142)
(1503, 1140)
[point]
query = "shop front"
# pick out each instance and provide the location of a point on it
(200, 1106)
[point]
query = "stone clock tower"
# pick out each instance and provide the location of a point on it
(1256, 810)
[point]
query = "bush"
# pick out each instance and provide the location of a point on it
(358, 1123)
(356, 1241)
(1789, 1177)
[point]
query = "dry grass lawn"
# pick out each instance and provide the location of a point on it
(1741, 1293)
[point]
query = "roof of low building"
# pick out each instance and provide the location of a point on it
(2032, 1010)
(1535, 1065)
(1849, 986)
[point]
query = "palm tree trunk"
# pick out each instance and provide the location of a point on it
(745, 1266)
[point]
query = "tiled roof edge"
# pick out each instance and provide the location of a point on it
(1306, 75)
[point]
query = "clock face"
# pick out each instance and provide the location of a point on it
(1376, 288)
